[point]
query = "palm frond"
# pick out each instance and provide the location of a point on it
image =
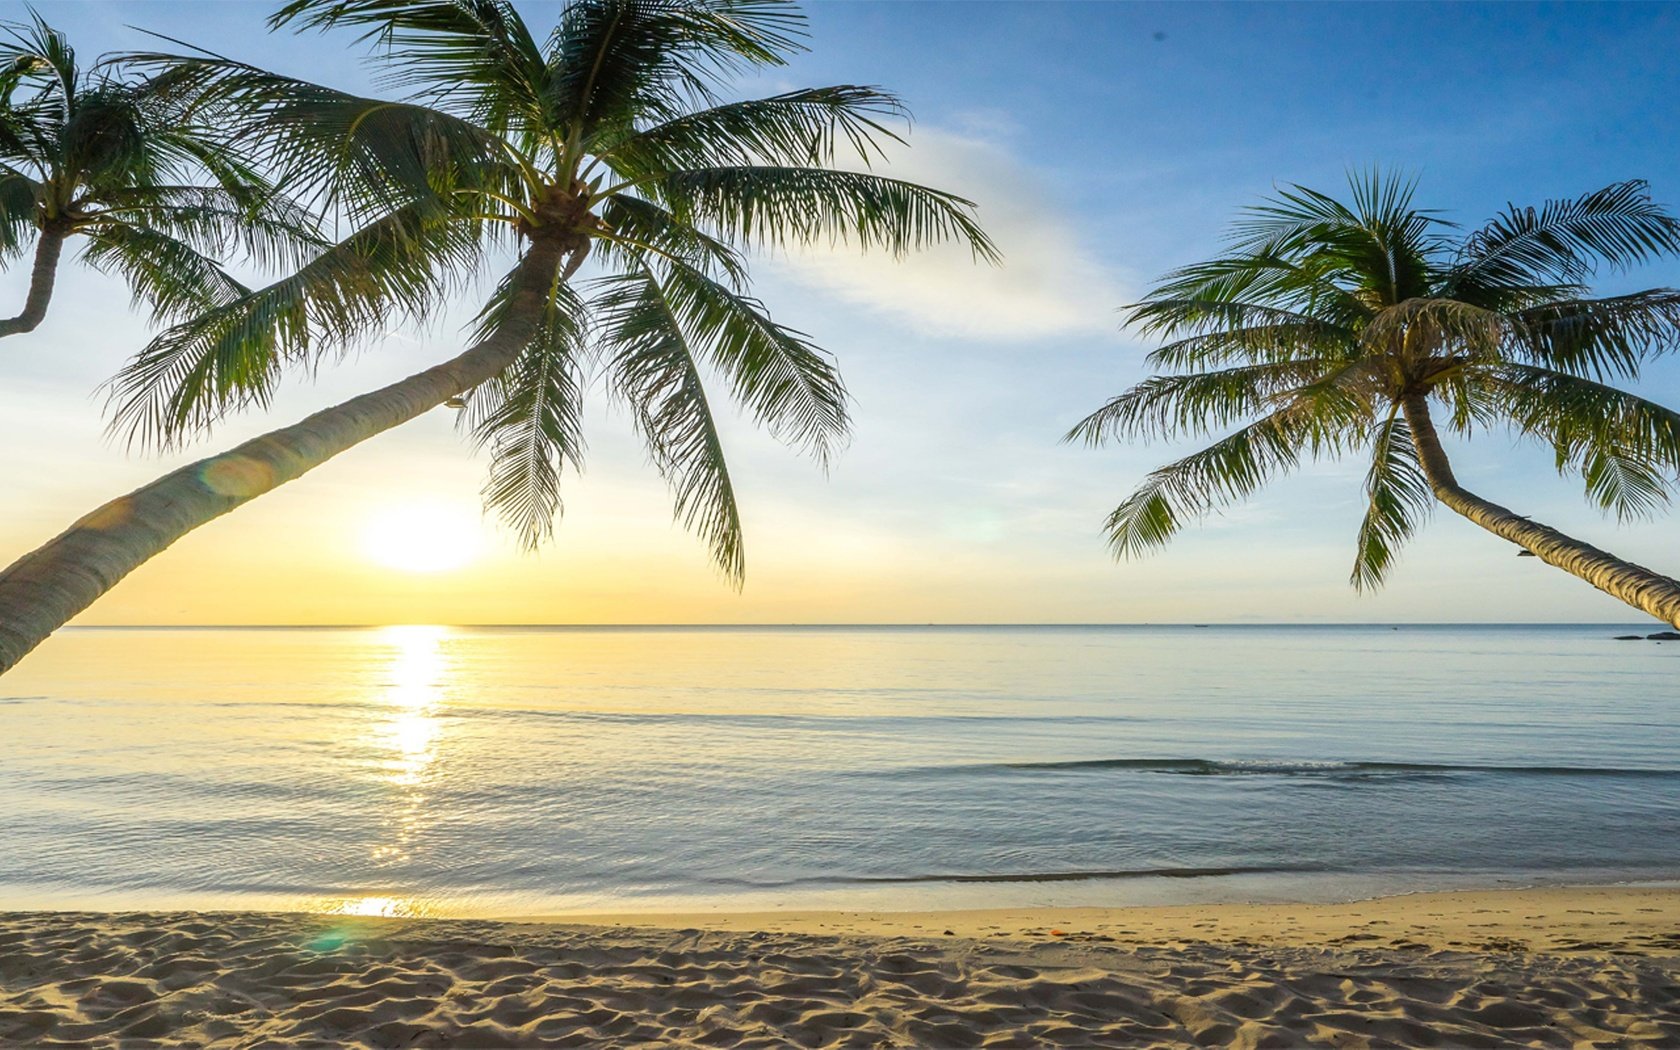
(1168, 406)
(1469, 402)
(167, 276)
(781, 377)
(1380, 246)
(35, 51)
(1423, 336)
(1601, 338)
(1624, 483)
(1626, 448)
(27, 137)
(634, 223)
(531, 417)
(369, 156)
(1320, 421)
(1564, 240)
(267, 226)
(777, 206)
(1284, 223)
(190, 375)
(366, 157)
(1187, 298)
(1223, 331)
(614, 62)
(17, 213)
(1399, 500)
(475, 57)
(652, 366)
(806, 127)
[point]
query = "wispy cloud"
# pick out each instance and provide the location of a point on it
(1049, 283)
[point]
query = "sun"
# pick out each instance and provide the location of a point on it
(424, 537)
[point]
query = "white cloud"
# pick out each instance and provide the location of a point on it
(1048, 283)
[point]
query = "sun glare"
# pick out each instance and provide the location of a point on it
(424, 537)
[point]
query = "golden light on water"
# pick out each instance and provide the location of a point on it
(402, 730)
(378, 907)
(412, 686)
(424, 537)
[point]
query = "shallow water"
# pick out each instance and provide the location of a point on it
(533, 770)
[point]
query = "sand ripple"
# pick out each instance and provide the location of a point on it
(286, 980)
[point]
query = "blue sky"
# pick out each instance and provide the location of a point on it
(1105, 144)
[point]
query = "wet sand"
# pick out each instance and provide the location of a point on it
(1550, 967)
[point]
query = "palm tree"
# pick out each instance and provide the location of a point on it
(131, 166)
(606, 141)
(1335, 326)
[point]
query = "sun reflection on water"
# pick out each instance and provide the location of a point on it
(379, 907)
(414, 679)
(413, 686)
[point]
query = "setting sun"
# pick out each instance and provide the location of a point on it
(424, 537)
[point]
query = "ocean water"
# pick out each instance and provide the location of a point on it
(504, 771)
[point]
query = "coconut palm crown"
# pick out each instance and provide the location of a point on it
(606, 140)
(137, 170)
(1333, 327)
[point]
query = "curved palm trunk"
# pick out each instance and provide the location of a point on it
(1634, 584)
(43, 589)
(41, 281)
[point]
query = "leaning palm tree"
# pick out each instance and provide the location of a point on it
(130, 166)
(1337, 326)
(607, 142)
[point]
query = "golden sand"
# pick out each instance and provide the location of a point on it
(1553, 967)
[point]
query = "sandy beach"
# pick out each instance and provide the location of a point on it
(1543, 967)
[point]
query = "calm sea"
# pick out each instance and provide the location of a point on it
(541, 770)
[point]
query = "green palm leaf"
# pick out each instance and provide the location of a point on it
(1399, 498)
(1196, 298)
(475, 56)
(192, 374)
(268, 227)
(778, 374)
(169, 276)
(805, 127)
(1168, 406)
(1319, 420)
(1563, 240)
(531, 417)
(363, 156)
(1601, 338)
(652, 365)
(17, 212)
(614, 62)
(643, 226)
(1625, 447)
(777, 206)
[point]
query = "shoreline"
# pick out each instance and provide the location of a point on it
(889, 898)
(1575, 918)
(1549, 966)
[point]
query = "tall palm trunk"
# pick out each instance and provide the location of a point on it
(41, 280)
(1634, 584)
(43, 589)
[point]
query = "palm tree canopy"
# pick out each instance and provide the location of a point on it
(609, 136)
(1326, 316)
(139, 169)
